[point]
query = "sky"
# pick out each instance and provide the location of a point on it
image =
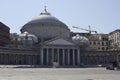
(102, 15)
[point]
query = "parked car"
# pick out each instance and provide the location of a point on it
(110, 67)
(113, 66)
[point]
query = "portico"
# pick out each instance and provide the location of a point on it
(66, 53)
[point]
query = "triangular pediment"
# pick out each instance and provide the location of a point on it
(60, 42)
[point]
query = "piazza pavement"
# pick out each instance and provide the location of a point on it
(10, 73)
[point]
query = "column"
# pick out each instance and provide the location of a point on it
(78, 52)
(58, 54)
(68, 57)
(63, 56)
(47, 56)
(73, 51)
(41, 56)
(52, 53)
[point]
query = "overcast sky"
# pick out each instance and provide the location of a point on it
(102, 15)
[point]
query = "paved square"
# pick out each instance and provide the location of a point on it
(58, 74)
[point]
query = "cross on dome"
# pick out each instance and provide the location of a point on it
(45, 11)
(45, 8)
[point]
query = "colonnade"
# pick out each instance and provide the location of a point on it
(61, 56)
(98, 57)
(20, 59)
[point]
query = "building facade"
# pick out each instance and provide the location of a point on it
(4, 35)
(114, 40)
(98, 42)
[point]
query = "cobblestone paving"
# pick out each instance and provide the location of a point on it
(58, 74)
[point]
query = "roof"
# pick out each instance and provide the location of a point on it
(117, 30)
(58, 41)
(4, 26)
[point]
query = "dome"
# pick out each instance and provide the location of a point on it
(80, 40)
(45, 19)
(46, 26)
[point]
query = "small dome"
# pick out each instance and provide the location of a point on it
(27, 36)
(26, 33)
(80, 40)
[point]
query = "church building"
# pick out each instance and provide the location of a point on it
(53, 40)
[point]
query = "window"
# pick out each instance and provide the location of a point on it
(90, 43)
(94, 43)
(98, 48)
(98, 43)
(102, 43)
(103, 48)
